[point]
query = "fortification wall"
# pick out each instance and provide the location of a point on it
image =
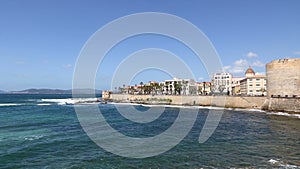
(283, 78)
(282, 104)
(219, 101)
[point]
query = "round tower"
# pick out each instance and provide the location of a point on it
(283, 78)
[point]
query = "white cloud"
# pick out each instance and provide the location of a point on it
(20, 62)
(67, 66)
(239, 66)
(296, 53)
(226, 68)
(200, 78)
(260, 73)
(252, 55)
(258, 63)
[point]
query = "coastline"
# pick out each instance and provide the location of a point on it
(231, 102)
(276, 113)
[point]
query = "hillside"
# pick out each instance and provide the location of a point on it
(54, 91)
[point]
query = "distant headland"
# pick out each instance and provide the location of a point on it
(51, 91)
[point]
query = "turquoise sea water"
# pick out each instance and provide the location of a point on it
(40, 131)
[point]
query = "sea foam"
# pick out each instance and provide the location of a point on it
(284, 114)
(282, 164)
(10, 104)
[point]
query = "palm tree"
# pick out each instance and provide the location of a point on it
(204, 92)
(141, 83)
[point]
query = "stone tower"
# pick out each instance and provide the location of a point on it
(283, 78)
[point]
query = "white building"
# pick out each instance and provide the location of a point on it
(222, 83)
(178, 86)
(204, 88)
(235, 85)
(253, 85)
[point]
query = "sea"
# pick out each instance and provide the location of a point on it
(42, 131)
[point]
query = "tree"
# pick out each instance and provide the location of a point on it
(178, 88)
(204, 91)
(142, 87)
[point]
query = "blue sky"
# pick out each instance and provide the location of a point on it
(41, 40)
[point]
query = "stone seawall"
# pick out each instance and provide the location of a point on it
(219, 101)
(282, 104)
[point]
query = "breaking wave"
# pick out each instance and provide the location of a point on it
(10, 104)
(284, 114)
(281, 164)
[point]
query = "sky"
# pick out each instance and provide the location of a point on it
(40, 41)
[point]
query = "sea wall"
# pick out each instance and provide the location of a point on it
(219, 101)
(282, 104)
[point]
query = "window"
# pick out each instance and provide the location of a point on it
(250, 90)
(257, 79)
(250, 79)
(257, 84)
(250, 85)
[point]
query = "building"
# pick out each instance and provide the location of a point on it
(106, 94)
(236, 86)
(204, 88)
(283, 78)
(222, 83)
(253, 84)
(178, 86)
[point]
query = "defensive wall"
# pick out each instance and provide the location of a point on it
(218, 101)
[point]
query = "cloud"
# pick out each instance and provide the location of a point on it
(239, 66)
(258, 63)
(227, 68)
(200, 79)
(252, 55)
(260, 73)
(296, 53)
(19, 62)
(67, 66)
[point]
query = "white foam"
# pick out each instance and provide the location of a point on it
(284, 114)
(44, 104)
(170, 106)
(59, 101)
(70, 100)
(124, 103)
(211, 108)
(282, 164)
(272, 161)
(10, 104)
(35, 137)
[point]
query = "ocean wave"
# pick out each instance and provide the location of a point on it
(44, 104)
(212, 108)
(10, 104)
(59, 101)
(282, 164)
(70, 100)
(284, 114)
(34, 137)
(188, 107)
